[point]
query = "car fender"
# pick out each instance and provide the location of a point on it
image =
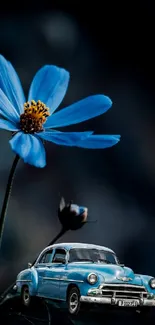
(145, 280)
(85, 286)
(79, 279)
(28, 277)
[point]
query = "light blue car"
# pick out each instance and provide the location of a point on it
(83, 273)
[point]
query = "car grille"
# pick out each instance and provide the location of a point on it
(123, 291)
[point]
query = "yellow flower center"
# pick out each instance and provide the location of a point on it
(34, 116)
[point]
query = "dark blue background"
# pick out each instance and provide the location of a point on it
(108, 49)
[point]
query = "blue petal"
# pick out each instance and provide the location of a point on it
(64, 138)
(6, 125)
(75, 208)
(10, 84)
(30, 148)
(7, 110)
(82, 209)
(99, 141)
(49, 85)
(81, 111)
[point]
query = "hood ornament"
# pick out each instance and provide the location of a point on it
(124, 278)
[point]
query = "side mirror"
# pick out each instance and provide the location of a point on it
(29, 265)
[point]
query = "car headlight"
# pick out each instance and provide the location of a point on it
(152, 283)
(92, 278)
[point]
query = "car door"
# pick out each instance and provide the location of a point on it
(41, 268)
(55, 272)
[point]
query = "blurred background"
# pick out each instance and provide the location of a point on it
(108, 49)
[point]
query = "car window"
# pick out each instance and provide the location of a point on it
(46, 257)
(59, 253)
(91, 255)
(107, 257)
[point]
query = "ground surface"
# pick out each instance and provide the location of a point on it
(40, 312)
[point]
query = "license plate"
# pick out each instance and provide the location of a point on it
(125, 303)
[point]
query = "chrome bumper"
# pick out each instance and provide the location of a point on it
(115, 301)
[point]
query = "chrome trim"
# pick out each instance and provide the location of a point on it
(97, 291)
(63, 279)
(124, 278)
(23, 280)
(121, 285)
(67, 256)
(150, 281)
(72, 280)
(47, 278)
(114, 301)
(94, 291)
(92, 273)
(125, 291)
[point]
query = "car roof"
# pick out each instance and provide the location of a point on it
(68, 246)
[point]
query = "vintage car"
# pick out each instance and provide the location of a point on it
(79, 273)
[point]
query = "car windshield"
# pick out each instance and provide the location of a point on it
(92, 255)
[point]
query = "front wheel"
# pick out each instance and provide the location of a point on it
(25, 296)
(73, 301)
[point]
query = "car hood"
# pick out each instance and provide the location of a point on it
(111, 273)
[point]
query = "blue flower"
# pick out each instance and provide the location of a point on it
(33, 121)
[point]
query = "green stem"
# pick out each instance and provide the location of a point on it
(3, 296)
(7, 196)
(61, 233)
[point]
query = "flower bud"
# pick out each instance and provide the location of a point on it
(72, 216)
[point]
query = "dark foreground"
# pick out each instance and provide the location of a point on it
(41, 312)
